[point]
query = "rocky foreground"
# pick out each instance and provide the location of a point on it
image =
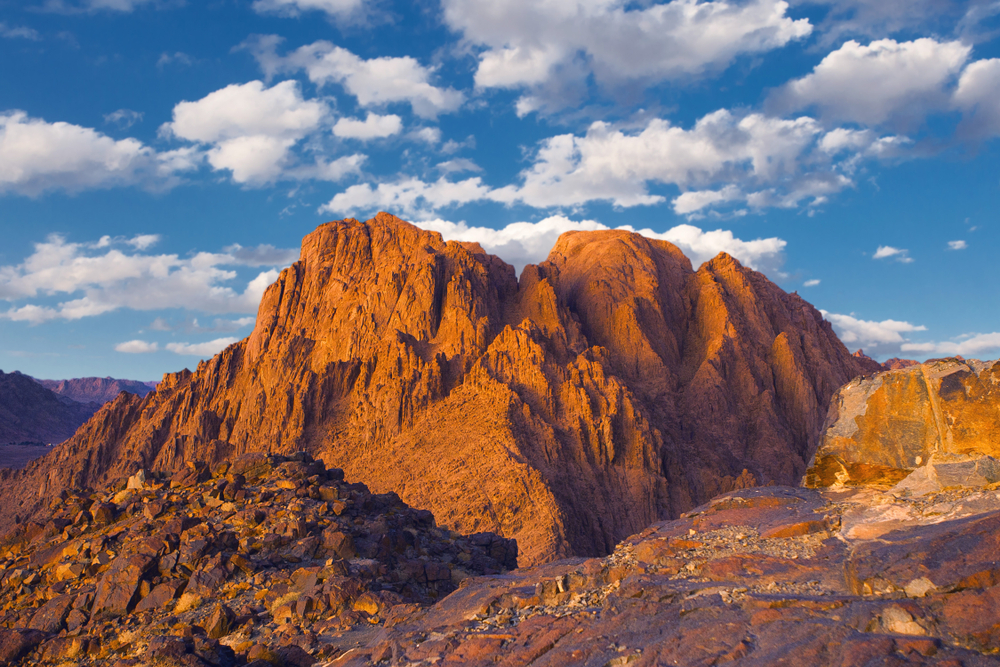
(275, 561)
(772, 576)
(269, 559)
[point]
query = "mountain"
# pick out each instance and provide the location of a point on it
(31, 413)
(939, 418)
(96, 390)
(612, 386)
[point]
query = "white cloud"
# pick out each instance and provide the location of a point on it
(375, 82)
(335, 8)
(522, 243)
(409, 196)
(899, 254)
(428, 135)
(18, 32)
(882, 82)
(373, 126)
(123, 118)
(551, 48)
(958, 245)
(251, 129)
(811, 283)
(970, 345)
(136, 347)
(885, 336)
(978, 94)
(207, 349)
(99, 278)
(191, 325)
(37, 156)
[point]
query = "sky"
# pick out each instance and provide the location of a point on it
(161, 160)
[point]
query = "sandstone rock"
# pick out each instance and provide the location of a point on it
(220, 622)
(881, 429)
(14, 644)
(567, 409)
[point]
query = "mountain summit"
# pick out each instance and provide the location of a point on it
(610, 387)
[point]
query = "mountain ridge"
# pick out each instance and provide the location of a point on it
(609, 387)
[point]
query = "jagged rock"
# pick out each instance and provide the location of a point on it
(718, 587)
(611, 386)
(258, 571)
(881, 429)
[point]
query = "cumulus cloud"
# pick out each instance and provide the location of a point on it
(250, 129)
(887, 17)
(885, 81)
(811, 283)
(408, 195)
(206, 349)
(882, 337)
(551, 48)
(978, 94)
(969, 345)
(724, 159)
(375, 83)
(37, 156)
(522, 243)
(898, 254)
(957, 245)
(334, 8)
(136, 347)
(373, 126)
(101, 277)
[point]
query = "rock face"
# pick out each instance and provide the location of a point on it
(32, 413)
(210, 565)
(610, 387)
(940, 418)
(771, 576)
(95, 390)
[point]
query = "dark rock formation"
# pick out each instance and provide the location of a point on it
(611, 387)
(31, 413)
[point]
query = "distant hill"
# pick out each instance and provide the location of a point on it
(31, 413)
(96, 390)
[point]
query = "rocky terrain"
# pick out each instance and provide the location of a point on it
(268, 560)
(32, 417)
(917, 423)
(96, 390)
(610, 387)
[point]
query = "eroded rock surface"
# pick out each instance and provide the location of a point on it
(768, 576)
(940, 418)
(268, 558)
(612, 386)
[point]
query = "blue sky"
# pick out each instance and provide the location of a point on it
(160, 160)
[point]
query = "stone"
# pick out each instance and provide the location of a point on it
(51, 617)
(919, 428)
(161, 595)
(220, 622)
(918, 588)
(137, 481)
(16, 643)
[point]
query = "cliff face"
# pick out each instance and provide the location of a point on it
(32, 413)
(610, 387)
(884, 427)
(95, 390)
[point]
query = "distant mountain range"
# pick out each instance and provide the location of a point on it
(44, 412)
(96, 390)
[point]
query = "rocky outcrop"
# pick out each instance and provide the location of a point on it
(770, 576)
(32, 413)
(936, 420)
(610, 387)
(219, 566)
(95, 390)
